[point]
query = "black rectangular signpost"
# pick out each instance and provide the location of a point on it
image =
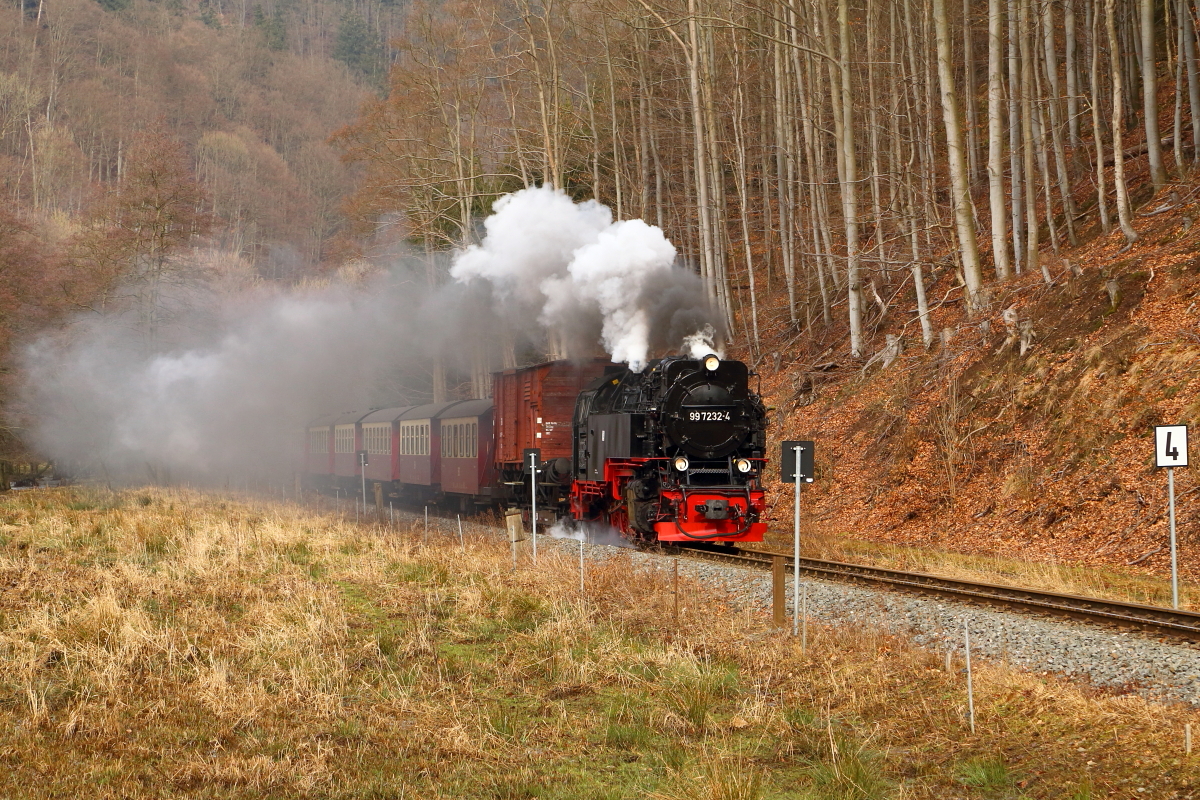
(796, 464)
(793, 451)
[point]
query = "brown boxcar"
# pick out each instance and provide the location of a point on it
(535, 406)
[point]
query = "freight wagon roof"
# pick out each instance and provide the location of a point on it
(564, 362)
(387, 414)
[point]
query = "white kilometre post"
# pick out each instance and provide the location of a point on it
(1170, 451)
(796, 547)
(533, 500)
(362, 468)
(1174, 552)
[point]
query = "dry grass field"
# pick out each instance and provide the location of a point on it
(160, 643)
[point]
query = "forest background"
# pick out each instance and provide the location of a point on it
(933, 226)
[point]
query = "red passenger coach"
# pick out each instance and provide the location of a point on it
(318, 454)
(381, 434)
(347, 441)
(419, 454)
(465, 434)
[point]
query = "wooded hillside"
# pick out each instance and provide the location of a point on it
(143, 143)
(840, 153)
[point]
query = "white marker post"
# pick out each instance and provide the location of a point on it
(800, 454)
(533, 459)
(796, 546)
(1170, 451)
(362, 469)
(970, 684)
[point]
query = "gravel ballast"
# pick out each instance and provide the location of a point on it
(1110, 658)
(1125, 661)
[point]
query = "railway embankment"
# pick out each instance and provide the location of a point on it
(167, 643)
(1025, 429)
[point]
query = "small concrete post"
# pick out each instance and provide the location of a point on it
(675, 589)
(778, 591)
(970, 686)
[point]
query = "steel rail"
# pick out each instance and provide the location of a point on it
(1156, 619)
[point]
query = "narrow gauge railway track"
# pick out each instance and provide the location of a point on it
(1151, 619)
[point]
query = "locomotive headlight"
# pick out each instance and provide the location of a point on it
(711, 363)
(743, 464)
(680, 463)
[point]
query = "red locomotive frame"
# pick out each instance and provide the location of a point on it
(683, 518)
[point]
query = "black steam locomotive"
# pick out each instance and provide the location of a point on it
(673, 453)
(670, 454)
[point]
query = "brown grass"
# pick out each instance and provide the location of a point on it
(159, 643)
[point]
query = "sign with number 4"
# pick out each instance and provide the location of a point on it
(1170, 446)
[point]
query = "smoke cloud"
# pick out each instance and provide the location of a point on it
(230, 392)
(590, 279)
(225, 385)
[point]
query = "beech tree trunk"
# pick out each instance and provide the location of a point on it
(1158, 173)
(1124, 214)
(964, 220)
(995, 163)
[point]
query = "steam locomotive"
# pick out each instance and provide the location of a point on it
(670, 454)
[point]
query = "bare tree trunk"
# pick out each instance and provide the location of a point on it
(1072, 69)
(707, 254)
(1053, 105)
(968, 56)
(960, 186)
(1028, 145)
(873, 133)
(616, 142)
(1189, 51)
(1177, 128)
(995, 164)
(1097, 129)
(1158, 173)
(849, 183)
(782, 169)
(1014, 137)
(1124, 214)
(740, 147)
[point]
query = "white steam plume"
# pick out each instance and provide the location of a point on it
(232, 378)
(585, 276)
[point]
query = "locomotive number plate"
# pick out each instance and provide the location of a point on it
(710, 416)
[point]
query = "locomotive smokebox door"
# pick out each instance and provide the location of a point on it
(787, 462)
